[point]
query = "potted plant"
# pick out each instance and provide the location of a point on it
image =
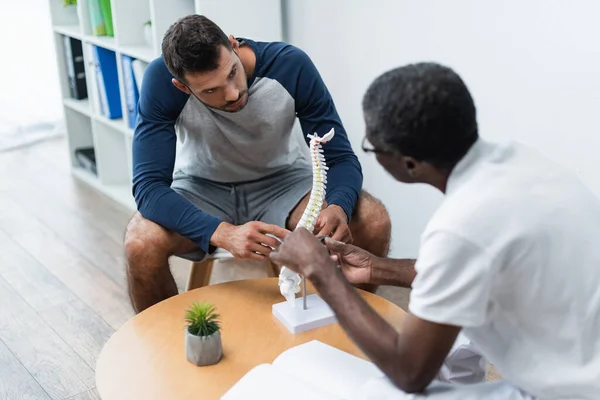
(203, 344)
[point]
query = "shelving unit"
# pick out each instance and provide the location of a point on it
(111, 139)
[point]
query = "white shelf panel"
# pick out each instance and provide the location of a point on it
(119, 193)
(141, 52)
(108, 42)
(70, 30)
(118, 124)
(87, 176)
(82, 106)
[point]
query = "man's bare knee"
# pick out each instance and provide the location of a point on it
(294, 217)
(143, 235)
(144, 238)
(147, 248)
(371, 225)
(378, 219)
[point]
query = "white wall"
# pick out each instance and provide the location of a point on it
(233, 17)
(532, 66)
(29, 89)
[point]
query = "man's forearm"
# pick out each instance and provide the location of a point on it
(393, 272)
(344, 183)
(372, 334)
(159, 203)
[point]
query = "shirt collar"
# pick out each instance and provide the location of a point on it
(467, 164)
(258, 64)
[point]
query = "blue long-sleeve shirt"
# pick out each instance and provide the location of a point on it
(235, 147)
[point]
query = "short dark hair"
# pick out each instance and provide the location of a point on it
(192, 45)
(423, 111)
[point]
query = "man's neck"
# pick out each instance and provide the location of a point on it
(438, 178)
(248, 59)
(439, 182)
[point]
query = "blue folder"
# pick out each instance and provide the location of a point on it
(108, 82)
(132, 94)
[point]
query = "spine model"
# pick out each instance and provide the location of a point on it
(289, 281)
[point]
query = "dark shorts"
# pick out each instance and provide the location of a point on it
(270, 199)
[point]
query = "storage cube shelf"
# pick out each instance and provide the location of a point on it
(101, 66)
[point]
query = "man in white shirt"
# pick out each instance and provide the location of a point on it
(511, 258)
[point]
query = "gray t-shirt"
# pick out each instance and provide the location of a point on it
(235, 147)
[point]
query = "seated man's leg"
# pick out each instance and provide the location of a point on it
(371, 226)
(371, 229)
(282, 198)
(279, 199)
(148, 247)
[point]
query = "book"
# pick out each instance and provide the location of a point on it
(106, 12)
(139, 67)
(107, 81)
(86, 157)
(315, 371)
(131, 89)
(96, 20)
(75, 68)
(92, 87)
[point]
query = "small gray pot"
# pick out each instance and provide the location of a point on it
(203, 350)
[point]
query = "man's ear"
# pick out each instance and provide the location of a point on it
(234, 43)
(180, 86)
(413, 167)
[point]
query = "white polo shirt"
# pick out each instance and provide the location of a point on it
(513, 256)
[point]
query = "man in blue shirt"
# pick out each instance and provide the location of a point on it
(216, 162)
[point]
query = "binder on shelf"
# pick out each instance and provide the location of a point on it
(96, 19)
(92, 84)
(75, 68)
(131, 90)
(139, 67)
(86, 157)
(107, 17)
(107, 79)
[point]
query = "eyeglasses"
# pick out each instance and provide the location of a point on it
(367, 147)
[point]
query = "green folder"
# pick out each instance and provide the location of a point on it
(107, 17)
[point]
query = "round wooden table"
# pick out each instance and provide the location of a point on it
(145, 358)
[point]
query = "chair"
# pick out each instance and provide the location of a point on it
(201, 271)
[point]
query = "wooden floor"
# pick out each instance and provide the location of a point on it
(62, 285)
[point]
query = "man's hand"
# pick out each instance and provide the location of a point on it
(332, 221)
(303, 253)
(248, 241)
(356, 263)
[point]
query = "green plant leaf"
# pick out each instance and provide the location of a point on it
(202, 319)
